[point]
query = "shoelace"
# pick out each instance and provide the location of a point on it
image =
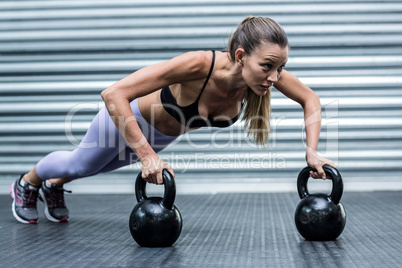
(30, 196)
(58, 197)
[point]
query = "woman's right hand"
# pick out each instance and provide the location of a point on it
(152, 167)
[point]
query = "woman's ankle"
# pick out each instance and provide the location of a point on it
(31, 181)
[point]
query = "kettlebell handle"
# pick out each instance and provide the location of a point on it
(337, 184)
(170, 189)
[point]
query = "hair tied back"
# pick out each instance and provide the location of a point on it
(249, 18)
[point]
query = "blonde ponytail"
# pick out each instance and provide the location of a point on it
(256, 116)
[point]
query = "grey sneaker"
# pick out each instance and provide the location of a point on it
(55, 206)
(24, 203)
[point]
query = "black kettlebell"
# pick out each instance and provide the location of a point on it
(320, 217)
(155, 221)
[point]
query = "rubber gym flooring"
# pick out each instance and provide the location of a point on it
(222, 230)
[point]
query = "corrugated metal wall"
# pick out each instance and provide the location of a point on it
(57, 56)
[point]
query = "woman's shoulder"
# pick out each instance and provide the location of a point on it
(198, 61)
(189, 66)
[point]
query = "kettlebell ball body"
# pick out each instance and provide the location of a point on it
(318, 216)
(152, 225)
(155, 221)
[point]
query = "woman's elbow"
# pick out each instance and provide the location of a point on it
(109, 95)
(314, 97)
(105, 93)
(311, 100)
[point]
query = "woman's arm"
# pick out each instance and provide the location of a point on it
(117, 98)
(291, 87)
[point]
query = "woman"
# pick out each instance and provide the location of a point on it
(150, 108)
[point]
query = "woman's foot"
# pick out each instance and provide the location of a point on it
(55, 206)
(24, 204)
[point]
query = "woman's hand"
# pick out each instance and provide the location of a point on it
(315, 161)
(152, 167)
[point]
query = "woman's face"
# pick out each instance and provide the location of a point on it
(262, 68)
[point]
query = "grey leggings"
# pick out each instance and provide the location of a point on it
(101, 150)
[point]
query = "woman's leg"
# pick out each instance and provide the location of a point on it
(102, 149)
(101, 144)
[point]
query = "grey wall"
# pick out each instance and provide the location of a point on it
(57, 56)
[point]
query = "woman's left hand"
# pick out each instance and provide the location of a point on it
(315, 161)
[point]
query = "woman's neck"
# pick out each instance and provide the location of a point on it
(229, 76)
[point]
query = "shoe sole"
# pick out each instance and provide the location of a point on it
(18, 218)
(46, 211)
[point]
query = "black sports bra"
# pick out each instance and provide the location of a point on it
(189, 115)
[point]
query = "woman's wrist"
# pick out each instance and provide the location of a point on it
(311, 151)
